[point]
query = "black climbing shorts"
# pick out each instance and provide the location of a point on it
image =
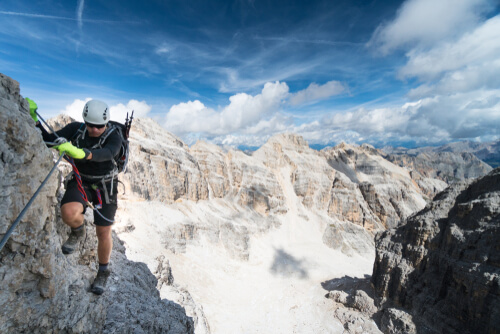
(72, 194)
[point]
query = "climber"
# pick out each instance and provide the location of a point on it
(95, 163)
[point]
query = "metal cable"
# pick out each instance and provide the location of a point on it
(18, 219)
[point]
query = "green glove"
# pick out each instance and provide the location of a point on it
(72, 151)
(33, 109)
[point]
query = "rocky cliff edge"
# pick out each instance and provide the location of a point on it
(42, 290)
(444, 264)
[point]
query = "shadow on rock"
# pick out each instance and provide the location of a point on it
(350, 284)
(133, 301)
(285, 264)
(355, 305)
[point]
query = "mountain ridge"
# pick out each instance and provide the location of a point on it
(204, 232)
(489, 152)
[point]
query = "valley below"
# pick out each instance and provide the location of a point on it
(286, 239)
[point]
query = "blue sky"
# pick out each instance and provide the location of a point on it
(415, 72)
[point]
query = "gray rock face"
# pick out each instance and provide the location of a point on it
(445, 166)
(396, 321)
(372, 192)
(354, 304)
(163, 169)
(42, 290)
(444, 264)
(488, 152)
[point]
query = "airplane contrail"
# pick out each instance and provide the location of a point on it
(79, 13)
(52, 17)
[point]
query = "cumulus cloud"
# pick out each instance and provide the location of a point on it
(242, 112)
(422, 23)
(74, 110)
(374, 121)
(317, 92)
(470, 63)
(431, 120)
(118, 112)
(473, 48)
(453, 52)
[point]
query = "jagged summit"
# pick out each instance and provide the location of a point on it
(288, 139)
(60, 121)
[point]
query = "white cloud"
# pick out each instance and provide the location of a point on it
(118, 112)
(431, 120)
(421, 23)
(252, 120)
(75, 109)
(455, 54)
(470, 63)
(317, 92)
(472, 49)
(242, 112)
(162, 49)
(191, 116)
(372, 122)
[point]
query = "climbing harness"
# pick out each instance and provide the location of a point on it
(78, 178)
(18, 219)
(84, 194)
(119, 162)
(120, 166)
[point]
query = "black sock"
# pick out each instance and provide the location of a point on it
(103, 267)
(78, 228)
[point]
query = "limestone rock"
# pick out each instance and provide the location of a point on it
(58, 122)
(134, 305)
(310, 174)
(254, 185)
(354, 304)
(489, 152)
(164, 272)
(348, 238)
(373, 192)
(446, 166)
(212, 162)
(396, 321)
(160, 166)
(42, 290)
(443, 265)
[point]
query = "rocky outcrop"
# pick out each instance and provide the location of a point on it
(489, 152)
(310, 175)
(162, 167)
(354, 304)
(42, 290)
(446, 166)
(213, 165)
(371, 191)
(443, 265)
(353, 185)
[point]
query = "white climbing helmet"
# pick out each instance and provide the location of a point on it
(96, 112)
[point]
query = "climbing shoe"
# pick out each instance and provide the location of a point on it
(74, 238)
(100, 281)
